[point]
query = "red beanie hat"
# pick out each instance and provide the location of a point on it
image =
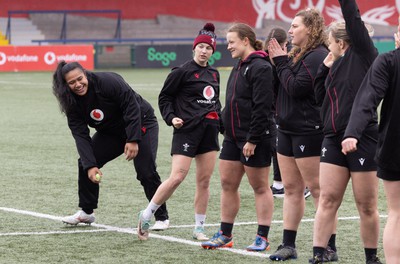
(207, 35)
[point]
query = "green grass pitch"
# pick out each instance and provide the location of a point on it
(38, 183)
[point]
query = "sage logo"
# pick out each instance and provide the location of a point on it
(164, 57)
(215, 57)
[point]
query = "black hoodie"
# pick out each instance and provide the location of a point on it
(336, 88)
(110, 106)
(296, 109)
(247, 116)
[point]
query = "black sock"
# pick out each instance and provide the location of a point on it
(263, 231)
(289, 238)
(318, 251)
(332, 242)
(87, 210)
(226, 229)
(370, 252)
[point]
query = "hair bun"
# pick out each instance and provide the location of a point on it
(209, 27)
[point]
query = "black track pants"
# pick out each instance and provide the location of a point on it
(107, 147)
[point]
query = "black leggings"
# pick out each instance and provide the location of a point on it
(107, 147)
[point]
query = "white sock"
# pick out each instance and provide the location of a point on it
(277, 185)
(150, 210)
(200, 220)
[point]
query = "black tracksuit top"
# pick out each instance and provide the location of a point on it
(109, 106)
(190, 92)
(297, 112)
(247, 115)
(381, 82)
(336, 88)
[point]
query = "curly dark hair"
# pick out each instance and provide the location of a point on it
(61, 89)
(313, 20)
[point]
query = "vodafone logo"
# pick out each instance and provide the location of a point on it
(97, 115)
(50, 58)
(37, 58)
(3, 58)
(208, 92)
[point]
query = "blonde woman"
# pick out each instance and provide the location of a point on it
(338, 81)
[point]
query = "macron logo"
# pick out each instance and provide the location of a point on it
(302, 147)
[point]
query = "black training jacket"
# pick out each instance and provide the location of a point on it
(110, 106)
(296, 109)
(381, 82)
(190, 92)
(336, 88)
(247, 115)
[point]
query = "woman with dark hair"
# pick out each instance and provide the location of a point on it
(299, 123)
(124, 123)
(246, 149)
(352, 52)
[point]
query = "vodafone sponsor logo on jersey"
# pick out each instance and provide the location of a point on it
(97, 115)
(38, 58)
(208, 94)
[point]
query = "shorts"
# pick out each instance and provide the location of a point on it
(299, 146)
(358, 161)
(388, 175)
(232, 150)
(200, 140)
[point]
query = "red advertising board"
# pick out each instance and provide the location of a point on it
(382, 12)
(44, 58)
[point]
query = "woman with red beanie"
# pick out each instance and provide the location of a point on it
(189, 102)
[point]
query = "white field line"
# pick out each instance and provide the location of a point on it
(133, 231)
(120, 230)
(54, 232)
(347, 218)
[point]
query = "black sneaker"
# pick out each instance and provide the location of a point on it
(317, 259)
(329, 256)
(284, 253)
(278, 193)
(374, 260)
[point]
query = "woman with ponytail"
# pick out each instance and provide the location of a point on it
(124, 123)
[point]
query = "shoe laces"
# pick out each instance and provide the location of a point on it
(259, 240)
(216, 235)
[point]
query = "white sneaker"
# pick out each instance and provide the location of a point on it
(79, 217)
(199, 234)
(160, 225)
(307, 193)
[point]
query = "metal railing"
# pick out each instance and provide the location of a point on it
(63, 33)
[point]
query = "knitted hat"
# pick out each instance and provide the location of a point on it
(207, 35)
